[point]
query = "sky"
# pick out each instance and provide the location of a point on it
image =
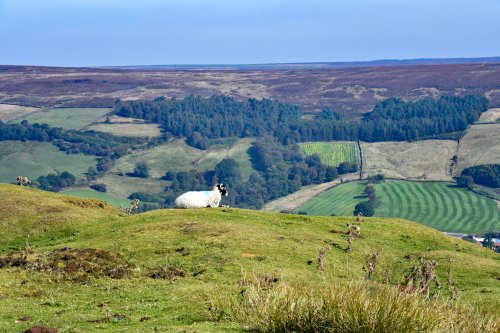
(155, 32)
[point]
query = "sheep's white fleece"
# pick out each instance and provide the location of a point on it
(202, 199)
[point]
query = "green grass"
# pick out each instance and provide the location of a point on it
(339, 200)
(124, 186)
(176, 155)
(70, 118)
(35, 159)
(438, 205)
(214, 247)
(92, 194)
(332, 153)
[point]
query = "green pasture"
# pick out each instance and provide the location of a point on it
(332, 153)
(70, 118)
(176, 155)
(339, 200)
(436, 204)
(35, 159)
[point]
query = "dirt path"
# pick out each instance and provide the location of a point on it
(292, 202)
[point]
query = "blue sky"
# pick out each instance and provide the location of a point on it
(147, 32)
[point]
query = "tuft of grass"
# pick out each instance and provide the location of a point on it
(345, 308)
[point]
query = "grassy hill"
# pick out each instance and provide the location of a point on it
(35, 159)
(480, 145)
(438, 205)
(176, 155)
(70, 118)
(163, 269)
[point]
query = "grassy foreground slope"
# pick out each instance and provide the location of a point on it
(435, 204)
(212, 247)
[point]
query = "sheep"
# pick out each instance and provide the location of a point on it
(202, 199)
(21, 181)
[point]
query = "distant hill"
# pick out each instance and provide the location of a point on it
(315, 65)
(83, 266)
(349, 88)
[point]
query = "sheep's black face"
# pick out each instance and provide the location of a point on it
(222, 189)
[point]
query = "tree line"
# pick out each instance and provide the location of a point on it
(485, 174)
(199, 119)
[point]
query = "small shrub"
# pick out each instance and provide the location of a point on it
(99, 187)
(171, 273)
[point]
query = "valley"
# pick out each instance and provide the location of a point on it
(195, 157)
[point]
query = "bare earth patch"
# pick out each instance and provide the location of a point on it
(9, 112)
(480, 145)
(423, 160)
(292, 202)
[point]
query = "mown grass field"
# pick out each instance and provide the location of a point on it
(70, 118)
(438, 205)
(332, 153)
(92, 194)
(339, 200)
(35, 159)
(215, 248)
(176, 155)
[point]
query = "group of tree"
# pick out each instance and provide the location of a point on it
(485, 174)
(199, 119)
(367, 208)
(280, 170)
(70, 141)
(55, 182)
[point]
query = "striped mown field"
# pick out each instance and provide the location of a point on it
(332, 153)
(339, 200)
(436, 204)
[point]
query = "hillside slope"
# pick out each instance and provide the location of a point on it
(164, 266)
